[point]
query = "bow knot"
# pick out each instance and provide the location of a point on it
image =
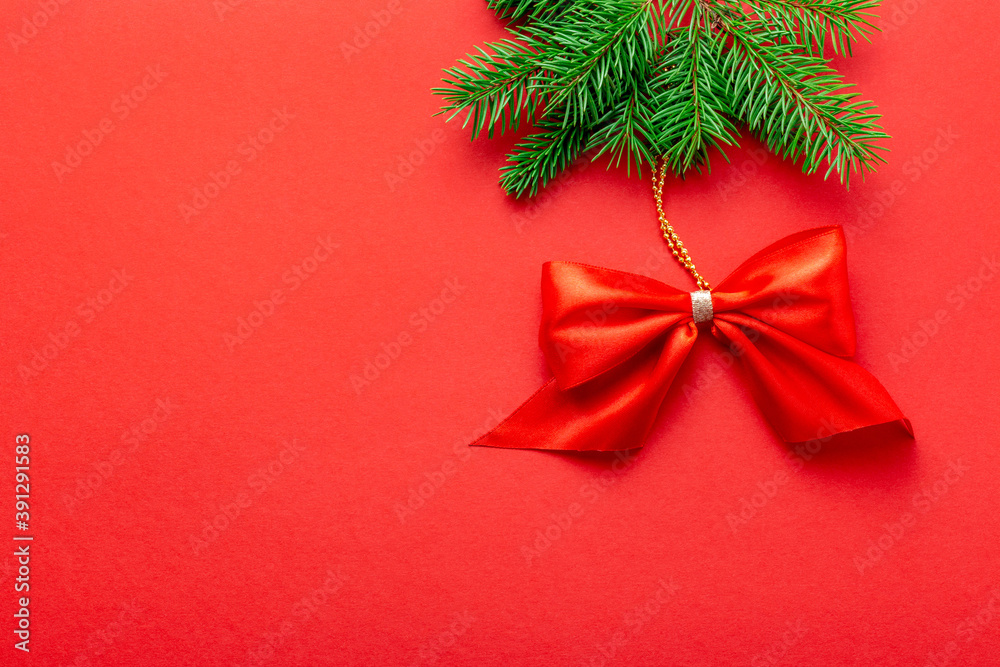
(701, 306)
(614, 342)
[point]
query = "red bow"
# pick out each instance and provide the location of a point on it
(614, 342)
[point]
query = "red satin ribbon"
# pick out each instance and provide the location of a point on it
(614, 342)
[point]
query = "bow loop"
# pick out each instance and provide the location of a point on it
(594, 319)
(797, 285)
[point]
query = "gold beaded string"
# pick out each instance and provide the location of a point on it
(676, 247)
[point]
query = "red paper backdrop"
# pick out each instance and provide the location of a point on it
(209, 486)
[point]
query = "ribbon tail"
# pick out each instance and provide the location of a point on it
(614, 411)
(804, 392)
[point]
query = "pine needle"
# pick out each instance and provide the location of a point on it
(635, 80)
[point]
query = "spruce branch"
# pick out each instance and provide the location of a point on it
(811, 21)
(594, 47)
(626, 130)
(635, 80)
(540, 157)
(492, 87)
(797, 104)
(692, 111)
(521, 8)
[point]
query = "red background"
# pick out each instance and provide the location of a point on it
(117, 576)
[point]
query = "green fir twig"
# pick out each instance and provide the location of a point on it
(634, 80)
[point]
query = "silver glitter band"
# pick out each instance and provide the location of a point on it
(701, 306)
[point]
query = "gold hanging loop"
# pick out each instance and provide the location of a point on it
(676, 247)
